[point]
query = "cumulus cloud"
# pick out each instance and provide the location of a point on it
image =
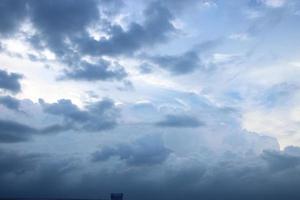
(12, 13)
(10, 81)
(156, 28)
(10, 102)
(172, 137)
(186, 62)
(94, 72)
(97, 116)
(16, 163)
(146, 151)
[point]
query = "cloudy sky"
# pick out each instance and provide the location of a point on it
(158, 99)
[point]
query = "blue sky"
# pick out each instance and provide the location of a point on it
(157, 99)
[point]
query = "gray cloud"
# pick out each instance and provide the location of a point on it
(10, 102)
(233, 177)
(155, 29)
(11, 132)
(178, 64)
(12, 13)
(98, 116)
(58, 20)
(94, 72)
(10, 81)
(15, 163)
(148, 150)
(180, 121)
(186, 62)
(281, 161)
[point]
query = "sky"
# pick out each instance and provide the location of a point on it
(158, 99)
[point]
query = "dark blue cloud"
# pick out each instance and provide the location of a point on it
(58, 20)
(14, 132)
(11, 132)
(180, 121)
(15, 163)
(97, 116)
(93, 72)
(12, 13)
(146, 151)
(156, 28)
(10, 102)
(10, 81)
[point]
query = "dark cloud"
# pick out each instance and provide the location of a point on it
(180, 121)
(62, 27)
(14, 132)
(146, 151)
(11, 132)
(178, 64)
(93, 72)
(156, 28)
(10, 102)
(186, 62)
(32, 175)
(281, 161)
(231, 178)
(98, 116)
(12, 13)
(60, 20)
(10, 81)
(16, 163)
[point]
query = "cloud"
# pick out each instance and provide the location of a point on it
(10, 102)
(178, 64)
(94, 72)
(12, 13)
(155, 29)
(281, 161)
(11, 132)
(180, 121)
(274, 3)
(56, 21)
(97, 116)
(14, 132)
(146, 151)
(32, 174)
(16, 163)
(10, 81)
(187, 62)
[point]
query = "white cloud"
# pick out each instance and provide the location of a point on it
(274, 3)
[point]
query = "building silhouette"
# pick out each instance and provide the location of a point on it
(116, 196)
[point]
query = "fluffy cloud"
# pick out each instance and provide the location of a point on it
(10, 81)
(98, 116)
(98, 71)
(146, 151)
(10, 102)
(12, 13)
(155, 29)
